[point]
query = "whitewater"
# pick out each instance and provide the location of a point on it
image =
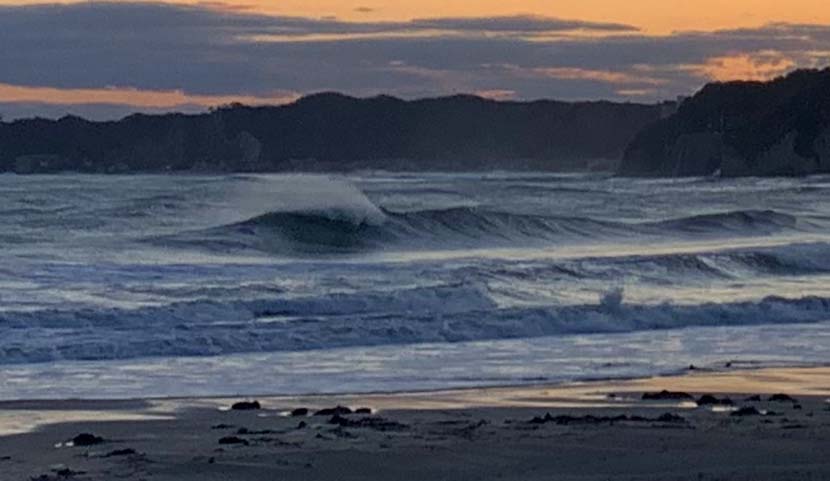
(130, 286)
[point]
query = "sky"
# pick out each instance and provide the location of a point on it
(106, 59)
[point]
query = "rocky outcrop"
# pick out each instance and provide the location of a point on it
(781, 127)
(822, 148)
(698, 153)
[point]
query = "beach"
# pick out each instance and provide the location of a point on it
(585, 431)
(509, 325)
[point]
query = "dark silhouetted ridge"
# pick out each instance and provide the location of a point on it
(334, 132)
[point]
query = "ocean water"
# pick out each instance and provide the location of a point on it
(248, 284)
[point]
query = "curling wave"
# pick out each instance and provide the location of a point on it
(334, 230)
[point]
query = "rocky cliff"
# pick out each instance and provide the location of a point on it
(781, 127)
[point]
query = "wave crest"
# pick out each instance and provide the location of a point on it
(351, 229)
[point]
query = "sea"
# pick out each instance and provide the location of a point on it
(189, 285)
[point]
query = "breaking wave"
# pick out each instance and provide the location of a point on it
(337, 229)
(444, 313)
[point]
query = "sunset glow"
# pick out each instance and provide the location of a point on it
(652, 16)
(130, 96)
(163, 55)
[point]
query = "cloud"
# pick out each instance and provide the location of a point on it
(576, 73)
(154, 99)
(517, 23)
(497, 94)
(745, 66)
(196, 55)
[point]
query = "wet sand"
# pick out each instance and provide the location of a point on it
(586, 431)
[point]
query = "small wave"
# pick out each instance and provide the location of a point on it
(798, 259)
(446, 313)
(741, 221)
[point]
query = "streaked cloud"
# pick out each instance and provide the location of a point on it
(746, 66)
(153, 99)
(162, 56)
(594, 75)
(655, 17)
(497, 94)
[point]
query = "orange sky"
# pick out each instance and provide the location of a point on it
(653, 16)
(140, 98)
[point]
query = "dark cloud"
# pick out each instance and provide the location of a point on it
(212, 50)
(147, 18)
(518, 23)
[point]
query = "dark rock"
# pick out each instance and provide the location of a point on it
(338, 419)
(589, 419)
(797, 406)
(302, 425)
(120, 452)
(709, 400)
(670, 418)
(363, 411)
(781, 398)
(753, 398)
(542, 420)
(86, 439)
(337, 410)
(376, 423)
(246, 406)
(233, 440)
(667, 396)
(60, 473)
(222, 426)
(248, 432)
(746, 411)
(565, 420)
(68, 473)
(299, 412)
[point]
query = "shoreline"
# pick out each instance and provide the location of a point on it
(385, 370)
(700, 373)
(578, 431)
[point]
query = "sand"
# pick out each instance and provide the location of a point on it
(470, 434)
